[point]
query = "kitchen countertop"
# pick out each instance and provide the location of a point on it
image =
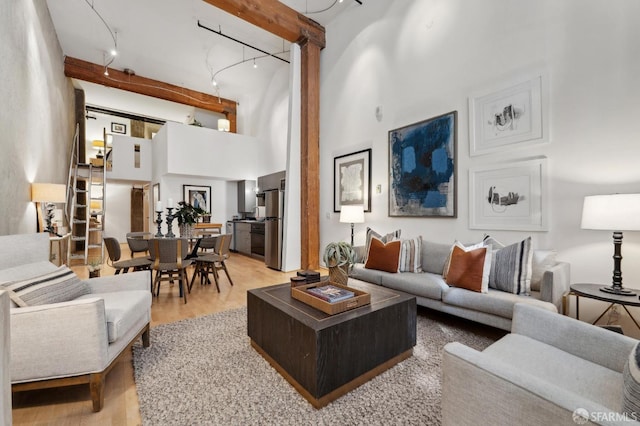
(248, 221)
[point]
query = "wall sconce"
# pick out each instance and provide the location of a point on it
(352, 214)
(224, 125)
(48, 193)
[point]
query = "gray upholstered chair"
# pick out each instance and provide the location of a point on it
(114, 253)
(548, 368)
(168, 257)
(73, 342)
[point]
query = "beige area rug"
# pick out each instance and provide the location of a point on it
(204, 371)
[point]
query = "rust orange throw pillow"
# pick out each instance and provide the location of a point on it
(466, 267)
(383, 257)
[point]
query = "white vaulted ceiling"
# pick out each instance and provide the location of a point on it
(161, 40)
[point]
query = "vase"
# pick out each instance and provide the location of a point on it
(339, 274)
(186, 230)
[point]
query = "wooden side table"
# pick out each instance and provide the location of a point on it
(592, 291)
(58, 249)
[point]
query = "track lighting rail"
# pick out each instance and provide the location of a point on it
(240, 42)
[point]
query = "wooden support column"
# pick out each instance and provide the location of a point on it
(310, 155)
(281, 20)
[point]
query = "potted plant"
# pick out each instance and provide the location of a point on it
(339, 258)
(94, 267)
(187, 216)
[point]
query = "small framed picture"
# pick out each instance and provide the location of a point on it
(352, 180)
(198, 196)
(119, 128)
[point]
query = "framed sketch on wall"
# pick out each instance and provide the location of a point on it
(422, 168)
(511, 196)
(510, 116)
(118, 128)
(198, 196)
(352, 180)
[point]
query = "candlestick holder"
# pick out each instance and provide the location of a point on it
(159, 223)
(170, 218)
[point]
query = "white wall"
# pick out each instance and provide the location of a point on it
(224, 198)
(422, 58)
(118, 212)
(200, 151)
(95, 128)
(37, 119)
(272, 117)
(292, 246)
(123, 158)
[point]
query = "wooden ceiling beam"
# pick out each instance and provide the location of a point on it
(275, 17)
(94, 73)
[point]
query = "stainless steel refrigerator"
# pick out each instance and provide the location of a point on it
(274, 208)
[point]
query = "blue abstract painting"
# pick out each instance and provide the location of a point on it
(422, 169)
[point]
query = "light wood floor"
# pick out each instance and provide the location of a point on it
(72, 405)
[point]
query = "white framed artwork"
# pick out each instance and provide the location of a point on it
(511, 116)
(509, 196)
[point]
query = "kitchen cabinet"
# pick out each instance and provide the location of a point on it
(271, 181)
(243, 238)
(247, 196)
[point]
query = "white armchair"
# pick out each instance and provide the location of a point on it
(77, 341)
(540, 374)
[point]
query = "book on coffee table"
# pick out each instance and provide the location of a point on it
(330, 293)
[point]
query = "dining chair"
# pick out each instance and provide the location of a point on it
(208, 244)
(205, 246)
(114, 253)
(168, 257)
(138, 242)
(212, 263)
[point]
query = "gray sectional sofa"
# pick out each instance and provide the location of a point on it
(494, 308)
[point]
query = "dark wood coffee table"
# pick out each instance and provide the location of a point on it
(325, 356)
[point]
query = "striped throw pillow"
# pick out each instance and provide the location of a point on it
(411, 255)
(511, 268)
(58, 286)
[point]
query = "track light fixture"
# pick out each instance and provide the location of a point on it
(311, 12)
(114, 36)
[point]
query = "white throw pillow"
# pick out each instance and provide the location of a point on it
(542, 260)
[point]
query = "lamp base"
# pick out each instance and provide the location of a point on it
(618, 291)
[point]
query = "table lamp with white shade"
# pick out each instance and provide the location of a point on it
(617, 213)
(49, 194)
(352, 214)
